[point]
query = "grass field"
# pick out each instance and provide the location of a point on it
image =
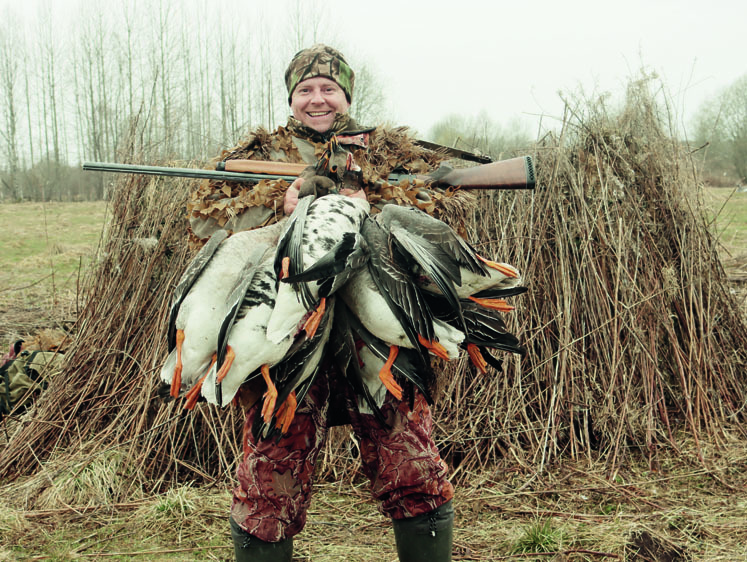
(46, 248)
(681, 510)
(729, 208)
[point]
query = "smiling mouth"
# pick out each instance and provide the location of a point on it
(318, 113)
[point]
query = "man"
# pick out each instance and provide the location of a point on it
(407, 476)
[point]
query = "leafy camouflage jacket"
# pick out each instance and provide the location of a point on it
(377, 151)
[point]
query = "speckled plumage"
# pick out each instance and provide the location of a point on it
(309, 238)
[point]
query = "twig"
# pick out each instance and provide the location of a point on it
(559, 552)
(26, 286)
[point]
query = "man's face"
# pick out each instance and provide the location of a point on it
(315, 101)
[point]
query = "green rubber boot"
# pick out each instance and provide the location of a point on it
(427, 537)
(248, 548)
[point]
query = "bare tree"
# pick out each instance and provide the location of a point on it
(721, 123)
(8, 85)
(480, 134)
(368, 106)
(48, 47)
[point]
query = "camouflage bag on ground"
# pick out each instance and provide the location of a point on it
(25, 377)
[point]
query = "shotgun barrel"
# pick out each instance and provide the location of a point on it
(183, 172)
(515, 173)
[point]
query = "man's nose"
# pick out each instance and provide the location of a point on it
(317, 97)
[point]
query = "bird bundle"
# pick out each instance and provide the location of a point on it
(393, 289)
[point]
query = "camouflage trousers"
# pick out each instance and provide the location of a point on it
(407, 475)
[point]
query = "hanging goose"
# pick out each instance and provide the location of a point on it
(485, 328)
(315, 228)
(440, 259)
(242, 345)
(372, 369)
(386, 302)
(199, 302)
(293, 377)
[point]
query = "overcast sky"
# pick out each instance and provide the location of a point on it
(508, 59)
(512, 58)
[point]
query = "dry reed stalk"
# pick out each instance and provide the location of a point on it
(630, 326)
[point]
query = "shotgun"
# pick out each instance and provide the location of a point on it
(515, 173)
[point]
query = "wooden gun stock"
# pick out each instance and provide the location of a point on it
(261, 167)
(516, 173)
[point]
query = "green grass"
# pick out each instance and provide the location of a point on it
(729, 209)
(50, 232)
(46, 248)
(540, 536)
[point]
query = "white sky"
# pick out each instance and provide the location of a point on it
(508, 59)
(512, 58)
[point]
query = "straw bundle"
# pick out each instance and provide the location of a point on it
(632, 332)
(109, 396)
(632, 335)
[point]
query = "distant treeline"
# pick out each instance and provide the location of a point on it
(151, 80)
(160, 80)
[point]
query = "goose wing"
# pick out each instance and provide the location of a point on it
(290, 247)
(347, 359)
(435, 263)
(335, 268)
(241, 296)
(396, 287)
(436, 232)
(187, 280)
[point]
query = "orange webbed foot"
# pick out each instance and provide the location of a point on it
(504, 268)
(286, 413)
(386, 376)
(194, 392)
(176, 381)
(312, 324)
(434, 347)
(227, 362)
(268, 407)
(476, 357)
(495, 304)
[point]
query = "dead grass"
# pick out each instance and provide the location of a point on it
(683, 511)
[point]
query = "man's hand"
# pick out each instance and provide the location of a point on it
(291, 195)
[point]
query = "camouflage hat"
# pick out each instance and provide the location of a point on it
(320, 60)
